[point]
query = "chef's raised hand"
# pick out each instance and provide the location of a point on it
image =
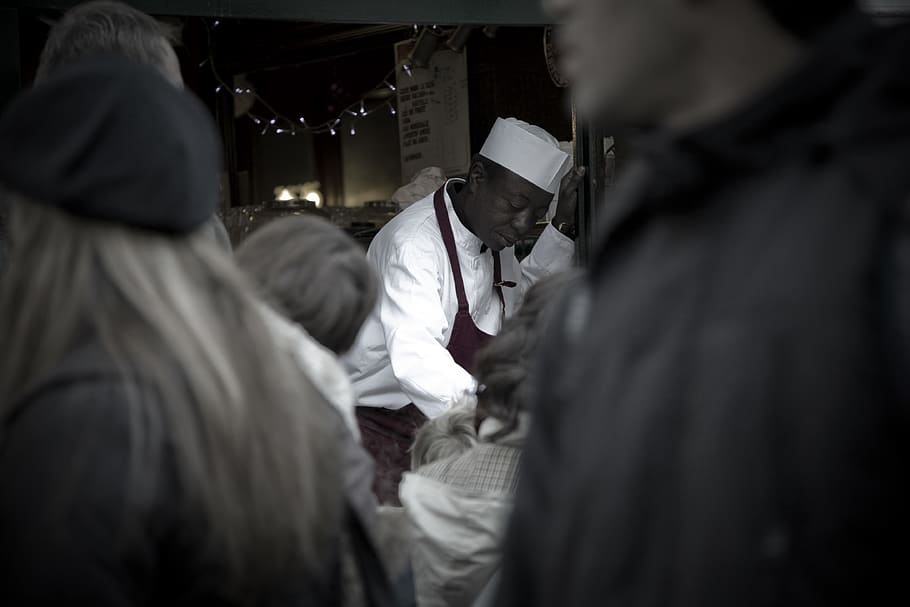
(568, 199)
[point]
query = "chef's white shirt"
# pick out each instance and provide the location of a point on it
(400, 356)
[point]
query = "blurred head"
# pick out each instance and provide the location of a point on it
(142, 151)
(632, 61)
(506, 366)
(315, 274)
(449, 434)
(112, 28)
(501, 208)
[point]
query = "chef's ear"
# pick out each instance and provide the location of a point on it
(478, 173)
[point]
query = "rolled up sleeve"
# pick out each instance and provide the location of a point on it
(552, 253)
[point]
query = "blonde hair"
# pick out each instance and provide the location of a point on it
(452, 433)
(246, 429)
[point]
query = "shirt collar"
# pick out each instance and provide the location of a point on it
(464, 238)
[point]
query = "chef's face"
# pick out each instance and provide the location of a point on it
(624, 58)
(505, 207)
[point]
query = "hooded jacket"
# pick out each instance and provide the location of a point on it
(724, 416)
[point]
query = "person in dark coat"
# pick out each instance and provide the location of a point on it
(722, 415)
(4, 242)
(157, 445)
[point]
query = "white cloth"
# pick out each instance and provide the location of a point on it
(456, 538)
(319, 364)
(425, 182)
(400, 356)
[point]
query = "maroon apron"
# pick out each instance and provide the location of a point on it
(388, 434)
(466, 339)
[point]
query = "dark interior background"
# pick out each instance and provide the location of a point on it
(314, 70)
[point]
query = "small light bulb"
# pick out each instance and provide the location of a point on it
(272, 121)
(218, 89)
(363, 110)
(332, 131)
(238, 91)
(217, 23)
(302, 121)
(353, 130)
(391, 86)
(392, 110)
(256, 120)
(407, 70)
(280, 131)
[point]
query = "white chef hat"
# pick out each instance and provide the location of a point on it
(528, 151)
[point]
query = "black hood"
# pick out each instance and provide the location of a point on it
(853, 89)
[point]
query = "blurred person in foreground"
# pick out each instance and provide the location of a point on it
(723, 415)
(114, 27)
(156, 448)
(320, 289)
(458, 504)
(4, 241)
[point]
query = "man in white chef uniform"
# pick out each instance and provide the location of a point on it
(449, 277)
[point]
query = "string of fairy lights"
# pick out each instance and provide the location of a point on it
(282, 124)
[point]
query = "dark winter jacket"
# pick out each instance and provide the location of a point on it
(74, 529)
(724, 413)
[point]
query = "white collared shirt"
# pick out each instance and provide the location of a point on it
(400, 356)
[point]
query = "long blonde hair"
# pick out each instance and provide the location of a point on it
(245, 426)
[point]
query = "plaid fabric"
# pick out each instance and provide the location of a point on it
(486, 467)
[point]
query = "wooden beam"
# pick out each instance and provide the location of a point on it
(502, 12)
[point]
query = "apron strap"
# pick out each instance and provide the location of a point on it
(445, 227)
(497, 280)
